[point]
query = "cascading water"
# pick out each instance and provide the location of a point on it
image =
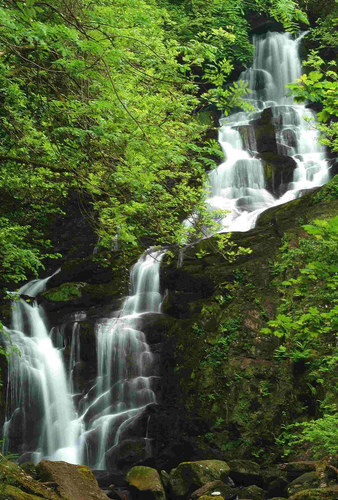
(49, 414)
(41, 417)
(40, 411)
(239, 184)
(124, 380)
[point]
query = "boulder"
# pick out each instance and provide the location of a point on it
(278, 171)
(145, 482)
(16, 484)
(8, 492)
(189, 476)
(330, 493)
(245, 472)
(253, 491)
(72, 482)
(278, 488)
(211, 497)
(165, 478)
(296, 469)
(212, 489)
(304, 482)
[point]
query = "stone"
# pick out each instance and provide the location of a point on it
(146, 483)
(254, 492)
(329, 493)
(304, 482)
(211, 497)
(211, 489)
(127, 453)
(296, 469)
(278, 488)
(245, 472)
(73, 482)
(16, 484)
(189, 476)
(8, 492)
(165, 478)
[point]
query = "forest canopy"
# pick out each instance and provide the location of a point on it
(103, 99)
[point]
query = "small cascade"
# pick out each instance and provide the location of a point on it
(124, 382)
(49, 414)
(40, 416)
(276, 141)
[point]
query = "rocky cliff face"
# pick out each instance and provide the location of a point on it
(219, 372)
(222, 394)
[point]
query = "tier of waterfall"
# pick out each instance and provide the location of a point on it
(47, 416)
(49, 412)
(40, 415)
(239, 184)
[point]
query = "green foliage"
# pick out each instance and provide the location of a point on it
(97, 99)
(302, 322)
(328, 192)
(306, 324)
(320, 435)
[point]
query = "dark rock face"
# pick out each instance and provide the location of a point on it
(218, 372)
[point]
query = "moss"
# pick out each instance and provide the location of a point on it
(8, 492)
(329, 192)
(86, 473)
(65, 292)
(146, 479)
(330, 493)
(13, 476)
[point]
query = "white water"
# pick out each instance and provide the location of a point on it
(238, 184)
(48, 415)
(123, 385)
(37, 390)
(38, 381)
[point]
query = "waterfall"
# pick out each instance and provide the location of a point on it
(124, 380)
(49, 413)
(40, 412)
(42, 420)
(239, 184)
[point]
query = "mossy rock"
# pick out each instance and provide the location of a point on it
(146, 483)
(211, 497)
(254, 492)
(245, 472)
(304, 482)
(12, 475)
(72, 482)
(189, 476)
(296, 469)
(211, 489)
(8, 492)
(329, 493)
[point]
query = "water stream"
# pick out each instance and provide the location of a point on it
(277, 131)
(49, 414)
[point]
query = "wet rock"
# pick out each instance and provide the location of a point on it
(165, 478)
(211, 489)
(254, 492)
(145, 483)
(329, 493)
(127, 453)
(278, 170)
(16, 484)
(296, 469)
(304, 482)
(278, 488)
(74, 482)
(265, 133)
(189, 476)
(245, 472)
